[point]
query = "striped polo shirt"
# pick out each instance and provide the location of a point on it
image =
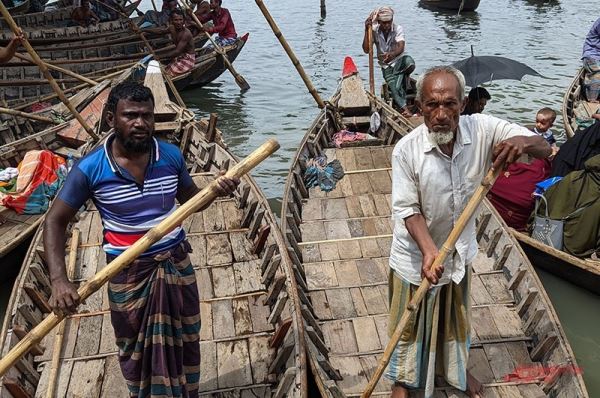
(128, 209)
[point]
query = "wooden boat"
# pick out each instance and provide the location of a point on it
(581, 272)
(66, 139)
(47, 36)
(250, 341)
(60, 17)
(576, 105)
(23, 84)
(340, 242)
(453, 5)
(20, 7)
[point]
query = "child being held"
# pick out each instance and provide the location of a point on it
(543, 121)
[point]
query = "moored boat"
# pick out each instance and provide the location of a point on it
(60, 17)
(581, 272)
(575, 105)
(23, 85)
(250, 339)
(453, 5)
(340, 241)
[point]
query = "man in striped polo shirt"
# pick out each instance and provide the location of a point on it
(134, 181)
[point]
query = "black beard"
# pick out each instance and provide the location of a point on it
(132, 145)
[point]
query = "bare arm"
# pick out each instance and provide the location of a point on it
(417, 228)
(511, 149)
(64, 294)
(9, 51)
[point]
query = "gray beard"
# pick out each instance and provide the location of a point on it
(441, 137)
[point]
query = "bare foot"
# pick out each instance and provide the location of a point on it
(474, 387)
(399, 392)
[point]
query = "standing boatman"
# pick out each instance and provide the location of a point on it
(134, 180)
(436, 169)
(395, 64)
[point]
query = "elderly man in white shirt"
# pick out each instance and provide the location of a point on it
(389, 40)
(435, 170)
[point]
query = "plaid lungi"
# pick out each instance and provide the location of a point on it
(591, 80)
(155, 313)
(182, 64)
(436, 340)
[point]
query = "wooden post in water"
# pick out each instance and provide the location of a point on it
(445, 251)
(36, 59)
(323, 9)
(311, 89)
(201, 199)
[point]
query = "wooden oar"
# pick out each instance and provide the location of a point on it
(371, 69)
(58, 339)
(31, 116)
(17, 31)
(59, 69)
(239, 79)
(445, 251)
(201, 199)
(311, 89)
(137, 31)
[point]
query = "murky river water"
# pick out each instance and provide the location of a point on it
(546, 35)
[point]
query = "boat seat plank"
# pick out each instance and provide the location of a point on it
(339, 337)
(114, 385)
(222, 313)
(259, 312)
(260, 356)
(497, 287)
(86, 378)
(339, 302)
(218, 249)
(499, 359)
(233, 364)
(354, 377)
(90, 334)
(247, 277)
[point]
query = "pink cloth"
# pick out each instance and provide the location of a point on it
(182, 64)
(347, 136)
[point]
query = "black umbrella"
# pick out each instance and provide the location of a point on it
(483, 68)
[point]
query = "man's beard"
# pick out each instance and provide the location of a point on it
(134, 145)
(441, 137)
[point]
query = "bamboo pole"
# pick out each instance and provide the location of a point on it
(290, 53)
(58, 340)
(59, 69)
(31, 116)
(17, 31)
(201, 199)
(239, 79)
(445, 251)
(371, 68)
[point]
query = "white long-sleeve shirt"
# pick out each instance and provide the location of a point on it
(426, 181)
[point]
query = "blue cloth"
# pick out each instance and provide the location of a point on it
(543, 186)
(322, 174)
(128, 209)
(591, 45)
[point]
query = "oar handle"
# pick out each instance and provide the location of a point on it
(371, 67)
(446, 250)
(202, 198)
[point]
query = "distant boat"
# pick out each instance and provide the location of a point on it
(454, 5)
